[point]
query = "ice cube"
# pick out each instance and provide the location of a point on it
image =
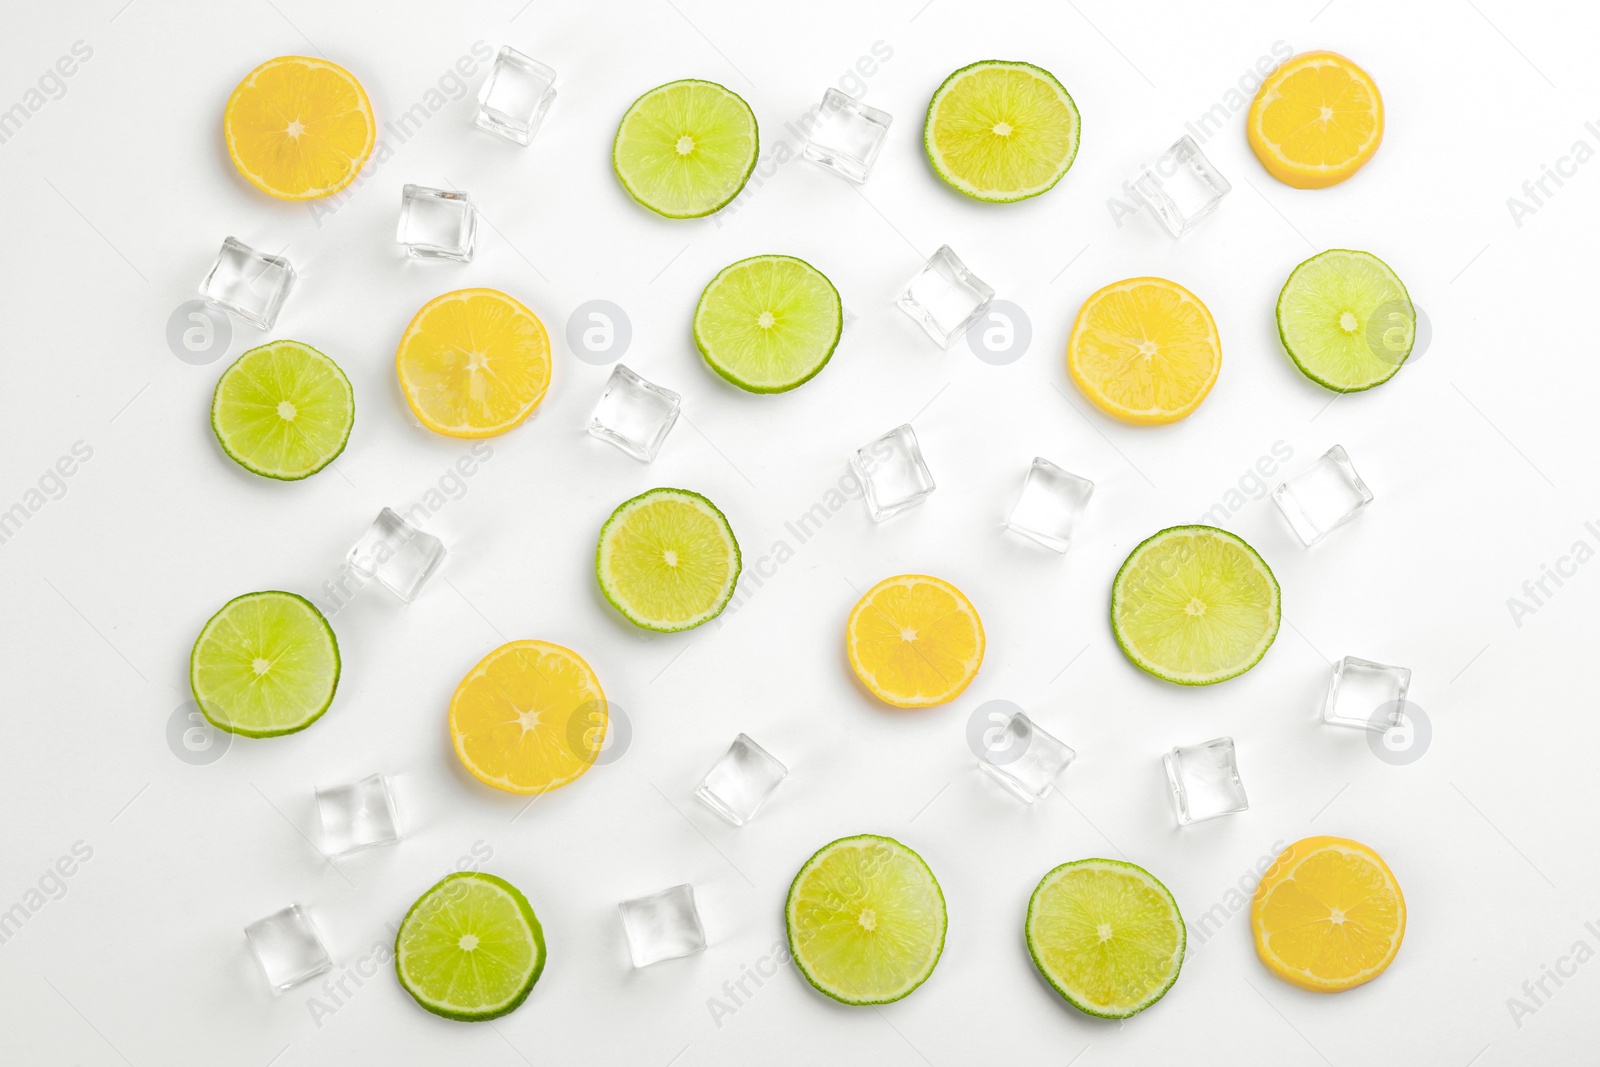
(740, 781)
(662, 926)
(1204, 780)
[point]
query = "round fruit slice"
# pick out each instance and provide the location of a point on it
(266, 664)
(1001, 131)
(1316, 120)
(473, 363)
(1194, 605)
(769, 323)
(1107, 935)
(1346, 320)
(529, 717)
(667, 560)
(283, 410)
(1145, 350)
(299, 128)
(686, 148)
(470, 948)
(866, 920)
(915, 641)
(1328, 915)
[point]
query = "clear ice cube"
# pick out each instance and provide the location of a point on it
(1366, 695)
(437, 224)
(1325, 495)
(287, 947)
(1205, 781)
(251, 284)
(1181, 187)
(633, 414)
(945, 298)
(1024, 758)
(398, 554)
(1052, 500)
(740, 781)
(662, 926)
(515, 96)
(892, 473)
(847, 136)
(356, 816)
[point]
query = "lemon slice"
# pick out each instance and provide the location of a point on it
(1316, 120)
(473, 363)
(915, 641)
(299, 128)
(1001, 131)
(1145, 350)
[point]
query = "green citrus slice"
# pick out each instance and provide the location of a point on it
(1107, 935)
(1001, 131)
(266, 664)
(686, 148)
(1346, 320)
(283, 410)
(667, 560)
(866, 920)
(470, 948)
(769, 323)
(1194, 605)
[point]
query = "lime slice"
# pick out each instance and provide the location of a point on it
(1107, 935)
(266, 664)
(1346, 320)
(470, 948)
(283, 410)
(1194, 605)
(768, 323)
(1001, 131)
(686, 148)
(866, 920)
(667, 560)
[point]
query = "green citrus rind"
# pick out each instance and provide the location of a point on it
(713, 200)
(210, 704)
(992, 195)
(1313, 354)
(506, 1005)
(228, 411)
(734, 366)
(630, 611)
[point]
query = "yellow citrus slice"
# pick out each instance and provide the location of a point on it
(1328, 915)
(914, 641)
(1316, 120)
(529, 717)
(1145, 350)
(299, 128)
(473, 363)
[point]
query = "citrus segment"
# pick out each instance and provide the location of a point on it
(470, 948)
(1316, 120)
(473, 363)
(1001, 131)
(769, 323)
(667, 560)
(915, 641)
(283, 410)
(299, 128)
(1346, 320)
(686, 148)
(1144, 350)
(264, 665)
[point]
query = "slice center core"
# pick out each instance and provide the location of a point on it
(1347, 322)
(868, 919)
(286, 410)
(685, 145)
(468, 942)
(1002, 129)
(765, 320)
(260, 666)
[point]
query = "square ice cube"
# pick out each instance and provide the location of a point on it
(398, 554)
(847, 136)
(357, 816)
(515, 96)
(1324, 495)
(633, 414)
(251, 284)
(1205, 781)
(892, 473)
(945, 298)
(740, 781)
(1366, 695)
(1051, 501)
(287, 947)
(437, 224)
(662, 926)
(1181, 187)
(1024, 758)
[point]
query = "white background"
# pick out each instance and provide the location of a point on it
(118, 195)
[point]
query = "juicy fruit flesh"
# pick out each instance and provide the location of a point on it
(1346, 319)
(529, 718)
(283, 410)
(1145, 350)
(769, 322)
(299, 128)
(1002, 131)
(265, 663)
(866, 920)
(1328, 915)
(468, 947)
(1195, 606)
(1316, 121)
(915, 641)
(667, 560)
(1107, 935)
(686, 148)
(474, 363)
